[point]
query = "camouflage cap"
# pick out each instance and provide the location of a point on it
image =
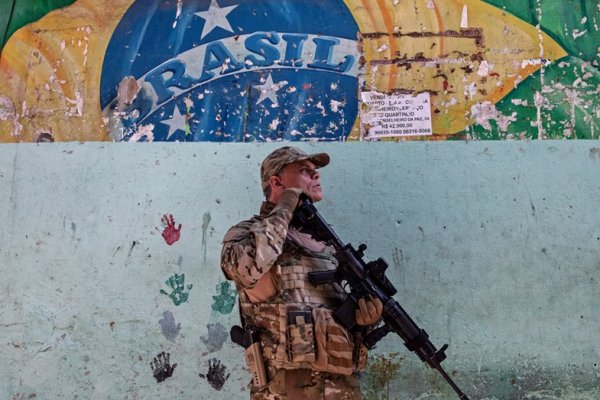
(283, 156)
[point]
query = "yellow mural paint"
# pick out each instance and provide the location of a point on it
(422, 47)
(51, 69)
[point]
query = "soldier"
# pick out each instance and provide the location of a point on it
(306, 354)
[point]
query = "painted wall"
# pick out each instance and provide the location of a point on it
(494, 250)
(262, 70)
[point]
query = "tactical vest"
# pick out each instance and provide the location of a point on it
(297, 327)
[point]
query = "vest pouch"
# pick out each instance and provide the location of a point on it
(334, 344)
(300, 335)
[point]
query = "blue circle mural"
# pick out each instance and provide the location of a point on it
(232, 70)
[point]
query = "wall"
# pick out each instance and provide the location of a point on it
(261, 70)
(492, 244)
(494, 250)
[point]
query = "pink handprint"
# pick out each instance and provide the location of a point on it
(170, 233)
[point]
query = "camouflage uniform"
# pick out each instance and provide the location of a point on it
(307, 354)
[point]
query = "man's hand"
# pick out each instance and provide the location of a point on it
(369, 311)
(290, 198)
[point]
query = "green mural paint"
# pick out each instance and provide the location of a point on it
(178, 294)
(570, 22)
(559, 101)
(17, 13)
(566, 112)
(225, 300)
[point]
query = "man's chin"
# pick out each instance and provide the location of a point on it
(316, 197)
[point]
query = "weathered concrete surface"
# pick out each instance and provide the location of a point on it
(494, 250)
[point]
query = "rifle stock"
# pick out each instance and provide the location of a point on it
(368, 279)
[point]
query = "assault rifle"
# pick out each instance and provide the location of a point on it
(368, 279)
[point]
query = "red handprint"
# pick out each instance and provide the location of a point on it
(170, 233)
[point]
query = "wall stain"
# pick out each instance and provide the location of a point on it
(382, 370)
(216, 374)
(205, 221)
(595, 153)
(397, 257)
(169, 328)
(131, 248)
(23, 396)
(217, 335)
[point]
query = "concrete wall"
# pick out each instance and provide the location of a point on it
(494, 250)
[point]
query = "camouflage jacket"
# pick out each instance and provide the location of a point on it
(269, 262)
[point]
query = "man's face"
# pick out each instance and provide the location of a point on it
(303, 175)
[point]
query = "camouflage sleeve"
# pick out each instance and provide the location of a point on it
(251, 247)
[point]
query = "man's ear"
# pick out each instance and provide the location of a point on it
(275, 181)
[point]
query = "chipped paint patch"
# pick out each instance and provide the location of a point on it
(485, 112)
(127, 92)
(178, 13)
(8, 112)
(143, 131)
(484, 68)
(7, 108)
(464, 18)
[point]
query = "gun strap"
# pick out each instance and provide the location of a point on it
(242, 319)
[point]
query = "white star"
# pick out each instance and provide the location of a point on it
(176, 122)
(268, 90)
(215, 17)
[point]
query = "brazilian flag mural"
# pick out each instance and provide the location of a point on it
(290, 70)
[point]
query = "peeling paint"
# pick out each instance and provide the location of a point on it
(464, 18)
(127, 92)
(144, 131)
(178, 13)
(485, 112)
(7, 108)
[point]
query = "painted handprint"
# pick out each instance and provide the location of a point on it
(217, 335)
(178, 294)
(216, 374)
(161, 366)
(225, 300)
(170, 233)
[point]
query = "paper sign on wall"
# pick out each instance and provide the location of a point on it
(396, 114)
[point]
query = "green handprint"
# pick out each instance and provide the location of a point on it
(225, 300)
(178, 295)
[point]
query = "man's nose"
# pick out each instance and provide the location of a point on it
(316, 174)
